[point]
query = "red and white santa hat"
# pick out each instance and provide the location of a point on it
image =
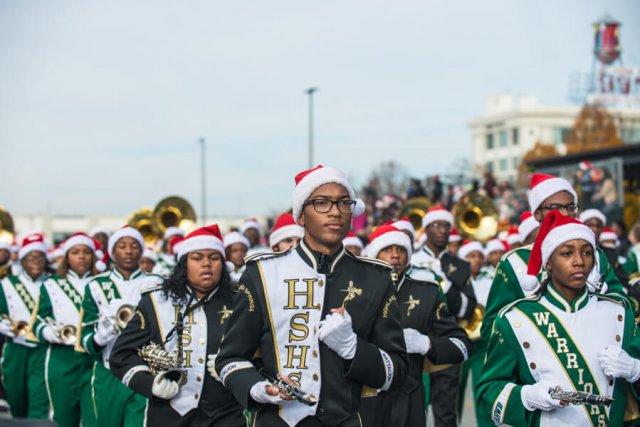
(150, 254)
(588, 214)
(608, 234)
(79, 239)
(307, 181)
(234, 237)
(513, 236)
(454, 236)
(172, 231)
(5, 245)
(469, 246)
(208, 237)
(125, 231)
(173, 243)
(437, 213)
(405, 224)
(385, 236)
(285, 227)
(249, 224)
(31, 243)
(55, 252)
(528, 224)
(352, 240)
(555, 230)
(494, 245)
(543, 186)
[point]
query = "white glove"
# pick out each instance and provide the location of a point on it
(616, 363)
(537, 396)
(164, 388)
(49, 334)
(211, 366)
(5, 328)
(259, 393)
(105, 332)
(336, 332)
(416, 342)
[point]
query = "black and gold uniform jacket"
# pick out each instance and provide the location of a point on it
(281, 300)
(203, 327)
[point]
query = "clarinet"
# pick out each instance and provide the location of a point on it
(289, 389)
(579, 397)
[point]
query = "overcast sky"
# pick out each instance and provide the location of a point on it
(102, 102)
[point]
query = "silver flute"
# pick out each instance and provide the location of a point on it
(579, 397)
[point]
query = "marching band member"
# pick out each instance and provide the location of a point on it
(285, 233)
(252, 230)
(5, 259)
(334, 328)
(528, 228)
(473, 253)
(457, 288)
(353, 244)
(632, 262)
(455, 241)
(493, 252)
(513, 237)
(512, 282)
(430, 331)
(100, 234)
(167, 258)
(56, 324)
(191, 307)
(561, 336)
(23, 360)
(148, 260)
(109, 300)
(404, 224)
(235, 248)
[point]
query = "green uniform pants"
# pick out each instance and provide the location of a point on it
(23, 379)
(114, 404)
(472, 366)
(65, 370)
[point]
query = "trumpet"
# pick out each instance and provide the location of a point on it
(119, 321)
(65, 333)
(162, 361)
(19, 328)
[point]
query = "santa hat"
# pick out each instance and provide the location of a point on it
(469, 246)
(593, 213)
(585, 165)
(30, 243)
(208, 237)
(455, 236)
(235, 237)
(150, 254)
(125, 231)
(55, 252)
(494, 245)
(172, 231)
(352, 240)
(79, 239)
(284, 228)
(528, 224)
(543, 186)
(608, 234)
(514, 236)
(309, 180)
(173, 243)
(555, 230)
(437, 213)
(249, 224)
(5, 245)
(98, 229)
(385, 236)
(405, 224)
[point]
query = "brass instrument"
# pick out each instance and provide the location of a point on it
(162, 361)
(7, 230)
(475, 216)
(173, 211)
(19, 328)
(415, 209)
(142, 220)
(473, 325)
(579, 397)
(123, 315)
(65, 333)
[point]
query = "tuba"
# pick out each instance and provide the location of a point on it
(415, 209)
(142, 220)
(475, 216)
(7, 230)
(473, 325)
(173, 211)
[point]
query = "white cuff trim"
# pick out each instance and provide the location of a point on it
(131, 372)
(232, 367)
(388, 370)
(500, 404)
(463, 348)
(463, 305)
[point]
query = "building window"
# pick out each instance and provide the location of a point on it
(489, 141)
(490, 166)
(503, 165)
(515, 162)
(515, 136)
(503, 138)
(561, 135)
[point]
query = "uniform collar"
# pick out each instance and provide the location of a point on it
(134, 275)
(429, 252)
(190, 292)
(319, 262)
(555, 297)
(26, 279)
(74, 275)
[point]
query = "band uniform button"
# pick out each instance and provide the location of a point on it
(526, 344)
(198, 378)
(618, 338)
(620, 317)
(315, 377)
(319, 306)
(196, 396)
(314, 353)
(532, 365)
(611, 382)
(200, 360)
(202, 341)
(321, 283)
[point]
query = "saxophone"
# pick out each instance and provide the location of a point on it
(161, 361)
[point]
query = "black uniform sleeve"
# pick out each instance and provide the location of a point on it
(449, 342)
(460, 296)
(124, 361)
(241, 339)
(381, 360)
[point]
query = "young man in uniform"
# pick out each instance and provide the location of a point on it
(319, 317)
(461, 300)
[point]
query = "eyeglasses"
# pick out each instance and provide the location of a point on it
(570, 208)
(325, 205)
(440, 225)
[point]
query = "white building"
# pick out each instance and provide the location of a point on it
(512, 125)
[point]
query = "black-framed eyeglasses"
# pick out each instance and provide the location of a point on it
(325, 205)
(570, 208)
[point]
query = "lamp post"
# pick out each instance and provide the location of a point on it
(310, 92)
(203, 179)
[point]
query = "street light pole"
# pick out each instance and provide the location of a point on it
(203, 179)
(310, 92)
